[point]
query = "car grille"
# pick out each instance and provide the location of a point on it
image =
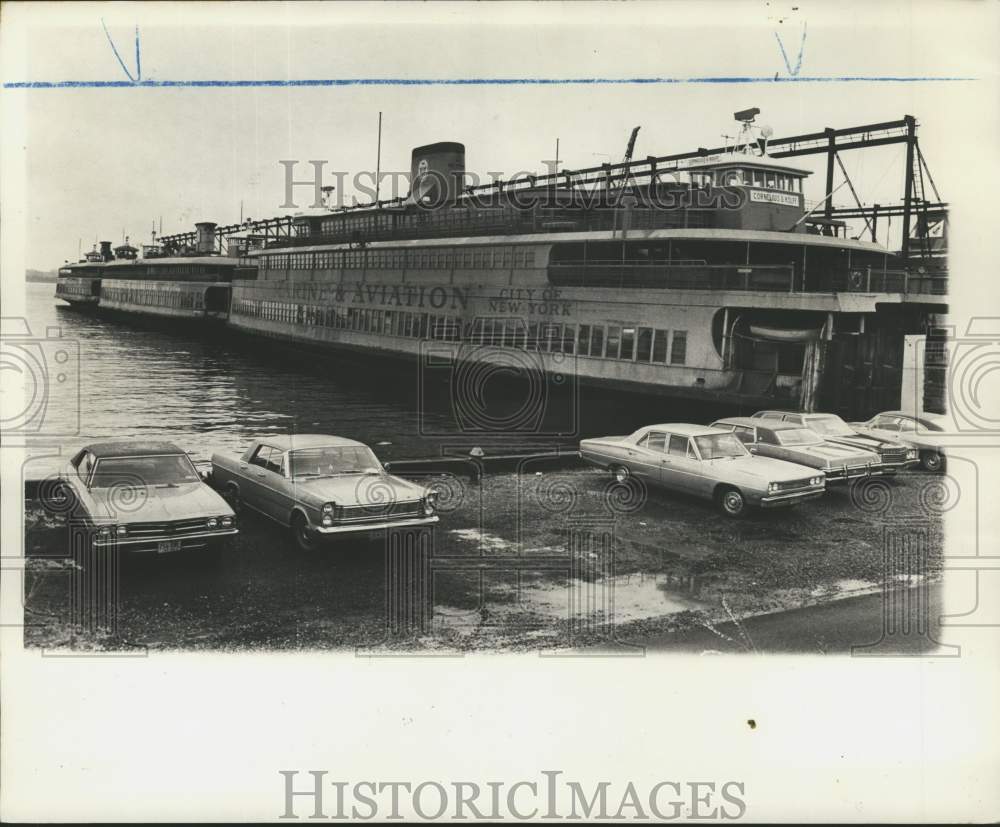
(890, 454)
(178, 528)
(791, 485)
(376, 513)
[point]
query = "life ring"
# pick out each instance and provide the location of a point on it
(856, 279)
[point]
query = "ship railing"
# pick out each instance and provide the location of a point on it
(877, 280)
(678, 276)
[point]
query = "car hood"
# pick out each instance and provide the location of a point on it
(765, 469)
(868, 442)
(917, 440)
(156, 504)
(359, 489)
(834, 453)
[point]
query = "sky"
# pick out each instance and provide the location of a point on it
(100, 163)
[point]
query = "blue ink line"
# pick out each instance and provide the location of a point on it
(802, 46)
(119, 57)
(199, 84)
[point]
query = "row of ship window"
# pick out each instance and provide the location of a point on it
(613, 341)
(66, 289)
(426, 258)
(152, 298)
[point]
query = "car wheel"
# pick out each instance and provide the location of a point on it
(931, 461)
(620, 474)
(231, 494)
(304, 539)
(732, 503)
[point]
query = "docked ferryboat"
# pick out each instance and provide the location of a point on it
(718, 284)
(181, 284)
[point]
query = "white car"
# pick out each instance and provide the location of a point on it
(917, 430)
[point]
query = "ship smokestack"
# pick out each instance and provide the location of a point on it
(206, 236)
(106, 253)
(437, 172)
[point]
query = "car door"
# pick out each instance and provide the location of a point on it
(646, 457)
(277, 492)
(255, 478)
(681, 467)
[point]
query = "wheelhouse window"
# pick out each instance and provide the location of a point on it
(172, 469)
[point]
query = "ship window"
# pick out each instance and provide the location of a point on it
(519, 335)
(758, 178)
(583, 339)
(533, 336)
(628, 343)
(597, 341)
(614, 341)
(678, 352)
(660, 346)
(644, 344)
(769, 180)
(568, 338)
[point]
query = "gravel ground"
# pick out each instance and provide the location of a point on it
(521, 561)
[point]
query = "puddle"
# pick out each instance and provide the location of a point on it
(626, 598)
(843, 585)
(483, 539)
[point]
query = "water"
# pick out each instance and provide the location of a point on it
(210, 393)
(217, 392)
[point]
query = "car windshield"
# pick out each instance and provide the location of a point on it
(798, 436)
(720, 446)
(325, 462)
(829, 426)
(136, 472)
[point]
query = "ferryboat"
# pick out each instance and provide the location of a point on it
(190, 283)
(712, 279)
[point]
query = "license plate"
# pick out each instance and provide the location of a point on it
(166, 546)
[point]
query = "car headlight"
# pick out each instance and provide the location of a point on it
(121, 531)
(911, 454)
(816, 481)
(227, 522)
(213, 522)
(772, 487)
(326, 514)
(430, 503)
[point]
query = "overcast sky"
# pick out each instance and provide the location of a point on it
(103, 160)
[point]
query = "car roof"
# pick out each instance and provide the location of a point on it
(132, 448)
(291, 442)
(750, 422)
(684, 429)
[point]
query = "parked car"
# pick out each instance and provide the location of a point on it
(707, 462)
(145, 497)
(785, 440)
(320, 487)
(922, 432)
(894, 455)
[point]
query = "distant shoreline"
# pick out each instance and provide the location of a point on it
(41, 277)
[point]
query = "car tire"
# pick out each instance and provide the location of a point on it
(731, 502)
(932, 461)
(301, 536)
(620, 474)
(231, 494)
